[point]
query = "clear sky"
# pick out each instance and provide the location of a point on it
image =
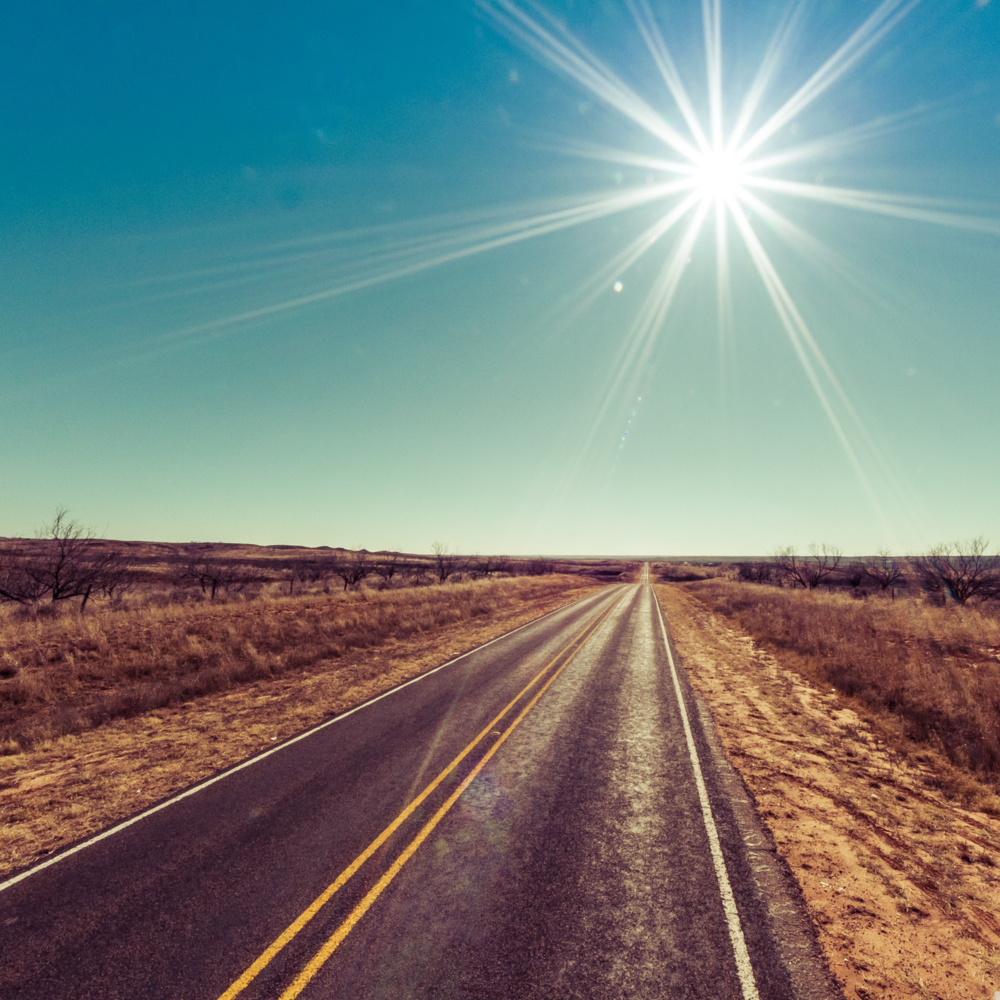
(369, 274)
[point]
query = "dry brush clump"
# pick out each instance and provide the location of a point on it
(929, 674)
(66, 673)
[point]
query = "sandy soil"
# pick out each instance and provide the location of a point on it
(71, 787)
(901, 883)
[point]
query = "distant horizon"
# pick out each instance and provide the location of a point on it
(692, 559)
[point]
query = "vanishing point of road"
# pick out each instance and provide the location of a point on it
(547, 816)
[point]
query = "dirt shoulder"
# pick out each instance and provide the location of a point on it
(900, 881)
(68, 788)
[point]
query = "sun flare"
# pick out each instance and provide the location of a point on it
(719, 166)
(726, 168)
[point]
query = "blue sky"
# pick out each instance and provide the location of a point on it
(225, 312)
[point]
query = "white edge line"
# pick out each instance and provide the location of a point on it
(257, 758)
(743, 966)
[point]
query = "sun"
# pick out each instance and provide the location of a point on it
(719, 176)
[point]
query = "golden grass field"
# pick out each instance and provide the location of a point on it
(928, 676)
(75, 672)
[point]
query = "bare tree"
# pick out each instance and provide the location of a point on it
(213, 575)
(489, 565)
(310, 571)
(65, 566)
(788, 566)
(962, 569)
(885, 570)
(809, 571)
(822, 563)
(386, 566)
(446, 563)
(65, 561)
(353, 567)
(208, 574)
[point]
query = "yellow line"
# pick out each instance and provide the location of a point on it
(324, 897)
(318, 960)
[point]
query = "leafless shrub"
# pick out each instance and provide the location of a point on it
(853, 574)
(117, 576)
(16, 584)
(540, 567)
(679, 573)
(306, 571)
(207, 575)
(755, 572)
(213, 576)
(486, 566)
(962, 570)
(243, 578)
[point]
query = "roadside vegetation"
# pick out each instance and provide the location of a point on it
(912, 643)
(92, 631)
(72, 672)
(928, 675)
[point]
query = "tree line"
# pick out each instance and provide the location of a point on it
(960, 570)
(66, 561)
(352, 568)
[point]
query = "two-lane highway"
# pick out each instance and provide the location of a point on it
(546, 816)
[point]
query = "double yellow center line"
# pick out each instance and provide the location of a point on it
(565, 655)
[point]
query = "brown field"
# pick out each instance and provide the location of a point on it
(866, 732)
(106, 712)
(927, 676)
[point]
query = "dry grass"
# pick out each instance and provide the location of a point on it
(68, 673)
(898, 875)
(925, 675)
(67, 787)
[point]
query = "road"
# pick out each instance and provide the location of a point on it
(547, 816)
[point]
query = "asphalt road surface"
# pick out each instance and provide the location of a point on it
(547, 816)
